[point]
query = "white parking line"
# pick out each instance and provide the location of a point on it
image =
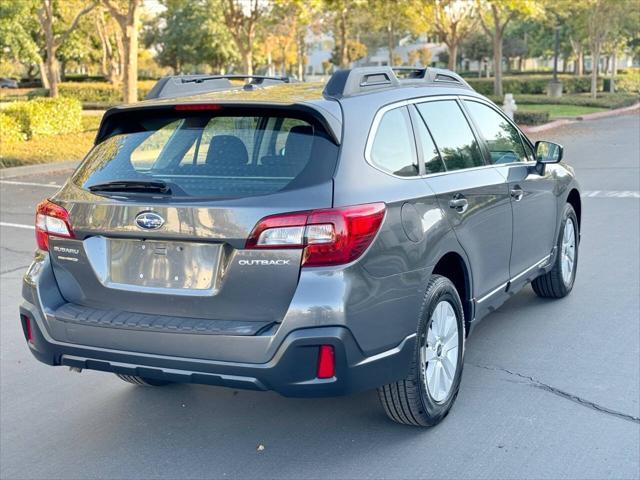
(30, 184)
(611, 194)
(16, 225)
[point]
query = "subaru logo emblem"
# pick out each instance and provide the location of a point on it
(149, 220)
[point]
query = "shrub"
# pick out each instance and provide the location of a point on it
(46, 116)
(10, 131)
(100, 92)
(604, 100)
(531, 85)
(531, 118)
(629, 83)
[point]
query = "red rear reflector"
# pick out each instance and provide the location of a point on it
(51, 220)
(326, 362)
(331, 236)
(198, 106)
(26, 322)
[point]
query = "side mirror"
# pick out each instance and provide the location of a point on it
(548, 152)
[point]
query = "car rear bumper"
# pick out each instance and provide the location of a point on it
(290, 372)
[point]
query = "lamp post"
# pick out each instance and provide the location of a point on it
(555, 85)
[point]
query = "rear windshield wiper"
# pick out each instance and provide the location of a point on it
(132, 186)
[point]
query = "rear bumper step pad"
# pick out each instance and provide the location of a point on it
(82, 315)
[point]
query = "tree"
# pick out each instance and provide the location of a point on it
(602, 17)
(127, 15)
(451, 20)
(476, 47)
(343, 14)
(421, 55)
(292, 19)
(112, 48)
(19, 29)
(53, 40)
(390, 17)
(188, 34)
(241, 18)
(494, 16)
(355, 51)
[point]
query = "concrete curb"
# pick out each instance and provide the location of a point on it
(588, 116)
(38, 169)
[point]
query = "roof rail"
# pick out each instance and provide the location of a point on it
(344, 83)
(183, 85)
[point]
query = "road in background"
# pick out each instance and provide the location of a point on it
(550, 388)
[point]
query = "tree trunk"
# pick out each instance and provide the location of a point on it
(580, 63)
(614, 68)
(595, 60)
(497, 64)
(390, 42)
(43, 74)
(247, 59)
(344, 50)
(453, 54)
(121, 55)
(301, 55)
(51, 70)
(130, 80)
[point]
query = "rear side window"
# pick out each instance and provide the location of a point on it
(452, 134)
(432, 161)
(213, 156)
(503, 140)
(393, 147)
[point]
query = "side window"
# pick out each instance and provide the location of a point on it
(432, 161)
(393, 147)
(503, 139)
(452, 134)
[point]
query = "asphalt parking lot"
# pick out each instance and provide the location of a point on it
(551, 389)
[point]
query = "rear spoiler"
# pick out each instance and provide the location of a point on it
(116, 116)
(186, 85)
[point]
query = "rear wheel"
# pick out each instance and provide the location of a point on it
(425, 397)
(142, 381)
(558, 282)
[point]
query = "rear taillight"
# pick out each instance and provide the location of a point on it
(332, 236)
(51, 220)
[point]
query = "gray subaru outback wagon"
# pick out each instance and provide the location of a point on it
(314, 241)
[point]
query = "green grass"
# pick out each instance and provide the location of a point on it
(57, 148)
(558, 111)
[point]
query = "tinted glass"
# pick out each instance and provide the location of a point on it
(452, 134)
(220, 156)
(393, 147)
(432, 161)
(503, 140)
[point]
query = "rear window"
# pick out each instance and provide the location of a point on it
(211, 155)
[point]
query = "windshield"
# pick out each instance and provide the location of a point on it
(202, 155)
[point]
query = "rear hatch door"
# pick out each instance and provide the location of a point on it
(162, 209)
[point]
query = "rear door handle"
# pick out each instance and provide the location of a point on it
(517, 193)
(459, 203)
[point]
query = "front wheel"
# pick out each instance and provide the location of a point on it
(558, 282)
(425, 397)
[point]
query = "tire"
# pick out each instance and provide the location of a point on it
(556, 283)
(142, 381)
(410, 401)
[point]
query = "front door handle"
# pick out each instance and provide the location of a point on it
(517, 193)
(459, 203)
